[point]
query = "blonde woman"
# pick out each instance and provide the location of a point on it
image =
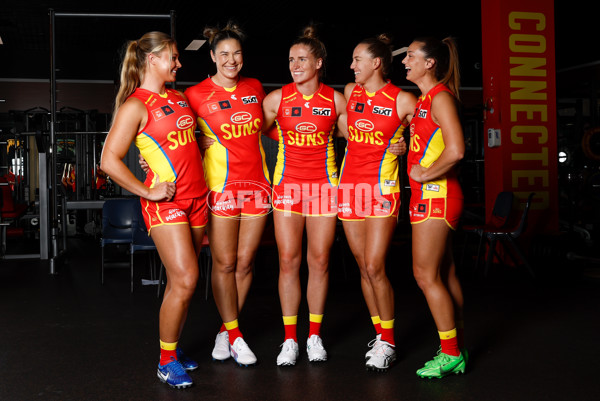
(173, 197)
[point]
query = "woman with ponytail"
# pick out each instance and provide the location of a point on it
(173, 196)
(305, 113)
(436, 147)
(229, 111)
(378, 113)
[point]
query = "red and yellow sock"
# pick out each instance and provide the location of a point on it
(315, 324)
(449, 342)
(387, 331)
(234, 330)
(223, 328)
(168, 352)
(376, 323)
(289, 324)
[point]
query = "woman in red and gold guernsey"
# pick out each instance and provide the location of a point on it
(173, 197)
(369, 192)
(228, 107)
(436, 146)
(305, 113)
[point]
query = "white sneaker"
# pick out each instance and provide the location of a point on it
(242, 354)
(371, 345)
(289, 353)
(315, 350)
(221, 350)
(384, 354)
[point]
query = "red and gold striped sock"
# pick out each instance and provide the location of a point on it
(233, 330)
(376, 323)
(315, 324)
(449, 342)
(387, 331)
(168, 352)
(289, 324)
(223, 328)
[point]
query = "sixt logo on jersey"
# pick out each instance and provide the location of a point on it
(382, 111)
(249, 99)
(321, 111)
(357, 107)
(292, 111)
(183, 104)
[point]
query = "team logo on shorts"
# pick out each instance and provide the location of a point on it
(422, 208)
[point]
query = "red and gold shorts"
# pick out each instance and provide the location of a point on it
(307, 198)
(240, 199)
(356, 202)
(186, 211)
(447, 209)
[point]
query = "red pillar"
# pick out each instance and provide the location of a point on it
(519, 94)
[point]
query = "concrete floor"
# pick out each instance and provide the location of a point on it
(67, 337)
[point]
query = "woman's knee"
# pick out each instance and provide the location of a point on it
(424, 277)
(185, 282)
(318, 262)
(374, 271)
(224, 264)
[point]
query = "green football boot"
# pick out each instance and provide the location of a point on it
(443, 365)
(463, 351)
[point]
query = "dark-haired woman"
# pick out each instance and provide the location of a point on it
(173, 196)
(229, 111)
(436, 147)
(369, 192)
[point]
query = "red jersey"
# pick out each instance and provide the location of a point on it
(426, 146)
(168, 144)
(305, 126)
(233, 117)
(373, 125)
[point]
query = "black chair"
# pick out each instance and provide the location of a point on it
(141, 242)
(508, 236)
(117, 225)
(503, 206)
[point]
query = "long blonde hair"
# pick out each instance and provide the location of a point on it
(133, 66)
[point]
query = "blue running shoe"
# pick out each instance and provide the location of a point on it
(174, 374)
(187, 363)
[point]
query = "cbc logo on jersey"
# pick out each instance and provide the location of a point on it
(241, 117)
(364, 125)
(185, 122)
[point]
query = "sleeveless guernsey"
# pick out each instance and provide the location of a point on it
(168, 144)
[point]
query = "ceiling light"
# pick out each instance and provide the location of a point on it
(399, 51)
(195, 44)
